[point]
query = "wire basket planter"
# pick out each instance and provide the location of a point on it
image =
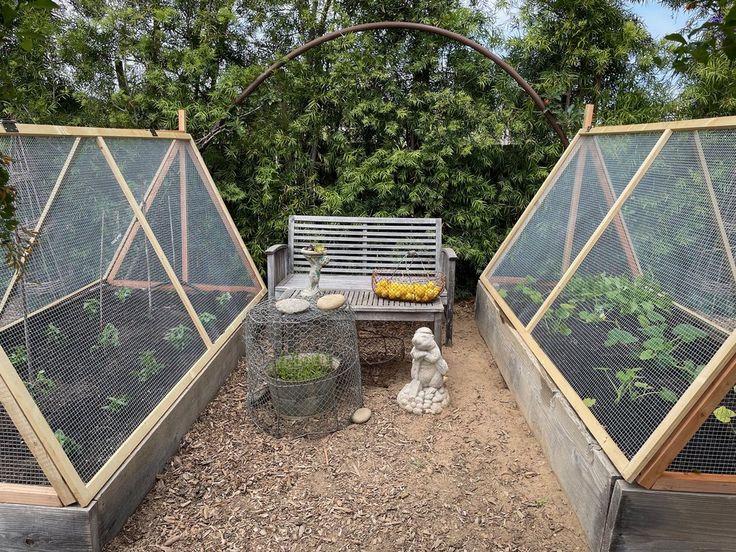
(411, 281)
(303, 370)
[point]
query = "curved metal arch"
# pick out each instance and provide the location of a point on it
(380, 25)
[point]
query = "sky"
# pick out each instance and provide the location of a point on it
(659, 20)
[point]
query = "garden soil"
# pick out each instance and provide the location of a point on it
(472, 478)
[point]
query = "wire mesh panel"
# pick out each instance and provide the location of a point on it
(303, 370)
(139, 160)
(17, 463)
(35, 166)
(713, 447)
(566, 217)
(628, 340)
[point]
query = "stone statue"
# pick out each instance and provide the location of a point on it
(426, 392)
(316, 259)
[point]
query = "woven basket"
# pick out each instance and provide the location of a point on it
(405, 287)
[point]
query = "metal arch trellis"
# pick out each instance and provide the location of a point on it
(383, 25)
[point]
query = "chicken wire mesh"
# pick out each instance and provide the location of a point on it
(216, 275)
(632, 337)
(303, 370)
(566, 217)
(96, 354)
(17, 463)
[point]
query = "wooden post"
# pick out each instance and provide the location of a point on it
(574, 205)
(182, 120)
(588, 117)
(183, 212)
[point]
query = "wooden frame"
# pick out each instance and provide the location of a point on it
(648, 466)
(66, 485)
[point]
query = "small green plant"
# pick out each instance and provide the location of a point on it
(223, 299)
(69, 445)
(629, 384)
(149, 366)
(116, 404)
(123, 293)
(109, 338)
(531, 293)
(725, 415)
(54, 335)
(207, 318)
(179, 336)
(302, 367)
(589, 402)
(91, 307)
(18, 356)
(41, 385)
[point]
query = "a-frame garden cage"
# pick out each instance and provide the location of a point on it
(620, 278)
(135, 279)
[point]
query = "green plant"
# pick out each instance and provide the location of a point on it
(116, 404)
(41, 385)
(19, 356)
(207, 318)
(109, 337)
(149, 366)
(526, 288)
(725, 415)
(69, 445)
(123, 293)
(91, 307)
(630, 384)
(302, 367)
(179, 336)
(223, 299)
(54, 335)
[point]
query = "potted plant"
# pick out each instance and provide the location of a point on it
(302, 384)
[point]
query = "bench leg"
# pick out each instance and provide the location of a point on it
(438, 329)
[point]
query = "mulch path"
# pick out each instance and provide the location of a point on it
(472, 478)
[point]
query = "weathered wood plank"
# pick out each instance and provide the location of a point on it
(48, 529)
(653, 521)
(584, 471)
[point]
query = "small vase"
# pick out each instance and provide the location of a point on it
(316, 260)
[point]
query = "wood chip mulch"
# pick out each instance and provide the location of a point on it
(472, 478)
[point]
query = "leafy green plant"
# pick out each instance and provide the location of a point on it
(123, 293)
(109, 338)
(91, 307)
(18, 356)
(179, 336)
(115, 405)
(589, 402)
(526, 288)
(149, 366)
(41, 385)
(302, 367)
(223, 299)
(725, 415)
(69, 445)
(207, 318)
(54, 335)
(628, 383)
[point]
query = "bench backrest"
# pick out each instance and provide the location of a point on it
(360, 245)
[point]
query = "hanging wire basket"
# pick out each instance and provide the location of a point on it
(404, 284)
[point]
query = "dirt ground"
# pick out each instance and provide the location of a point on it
(472, 478)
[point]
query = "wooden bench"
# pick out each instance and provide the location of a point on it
(356, 247)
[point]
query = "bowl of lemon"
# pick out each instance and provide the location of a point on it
(418, 289)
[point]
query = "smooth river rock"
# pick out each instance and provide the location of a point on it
(361, 416)
(331, 302)
(292, 305)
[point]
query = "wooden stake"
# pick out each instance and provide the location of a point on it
(588, 117)
(184, 215)
(182, 120)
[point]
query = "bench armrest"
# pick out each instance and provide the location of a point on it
(277, 266)
(448, 258)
